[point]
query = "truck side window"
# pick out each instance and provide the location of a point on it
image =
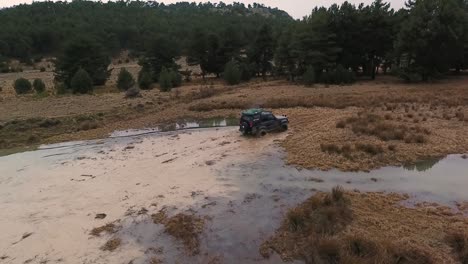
(267, 117)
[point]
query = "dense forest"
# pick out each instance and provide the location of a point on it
(425, 40)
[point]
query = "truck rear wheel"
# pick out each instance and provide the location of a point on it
(261, 133)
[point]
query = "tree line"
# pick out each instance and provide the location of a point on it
(422, 41)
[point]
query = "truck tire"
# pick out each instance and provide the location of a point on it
(284, 127)
(261, 133)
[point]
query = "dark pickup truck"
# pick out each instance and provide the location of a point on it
(259, 122)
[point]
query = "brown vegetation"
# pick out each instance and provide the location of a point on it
(185, 228)
(109, 228)
(347, 227)
(112, 244)
(374, 125)
(458, 240)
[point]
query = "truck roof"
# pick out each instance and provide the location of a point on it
(252, 111)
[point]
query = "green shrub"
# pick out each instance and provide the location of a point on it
(39, 86)
(144, 80)
(125, 80)
(232, 74)
(165, 80)
(309, 76)
(22, 86)
(246, 71)
(176, 78)
(81, 82)
(338, 76)
(325, 77)
(60, 88)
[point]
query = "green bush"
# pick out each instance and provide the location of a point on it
(125, 80)
(39, 86)
(176, 78)
(232, 74)
(60, 88)
(246, 71)
(22, 86)
(144, 80)
(338, 76)
(81, 82)
(409, 74)
(168, 79)
(309, 76)
(165, 80)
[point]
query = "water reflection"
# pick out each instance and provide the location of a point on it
(422, 165)
(179, 125)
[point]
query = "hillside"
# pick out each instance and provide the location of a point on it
(42, 28)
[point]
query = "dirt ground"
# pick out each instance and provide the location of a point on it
(438, 108)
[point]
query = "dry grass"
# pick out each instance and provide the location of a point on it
(458, 240)
(374, 125)
(187, 229)
(109, 228)
(159, 217)
(88, 125)
(325, 214)
(31, 131)
(379, 231)
(155, 260)
(112, 244)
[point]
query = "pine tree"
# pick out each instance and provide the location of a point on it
(263, 50)
(232, 75)
(125, 80)
(165, 80)
(81, 82)
(86, 54)
(309, 76)
(160, 54)
(144, 80)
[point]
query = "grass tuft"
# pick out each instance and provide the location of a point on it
(112, 244)
(109, 228)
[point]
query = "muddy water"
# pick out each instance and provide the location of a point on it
(241, 187)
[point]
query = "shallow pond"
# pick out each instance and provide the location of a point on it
(241, 185)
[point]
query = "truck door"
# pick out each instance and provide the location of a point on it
(268, 121)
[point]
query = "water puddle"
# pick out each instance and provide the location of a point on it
(435, 180)
(180, 125)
